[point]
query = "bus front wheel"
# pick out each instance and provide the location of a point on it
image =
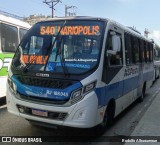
(141, 98)
(108, 117)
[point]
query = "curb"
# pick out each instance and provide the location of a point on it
(148, 126)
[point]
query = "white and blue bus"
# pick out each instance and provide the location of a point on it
(156, 61)
(11, 32)
(78, 72)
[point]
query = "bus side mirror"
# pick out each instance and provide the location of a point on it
(116, 45)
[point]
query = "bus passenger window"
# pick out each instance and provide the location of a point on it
(151, 52)
(141, 50)
(128, 49)
(135, 54)
(9, 38)
(22, 32)
(114, 57)
(146, 52)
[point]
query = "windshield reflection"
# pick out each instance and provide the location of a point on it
(75, 50)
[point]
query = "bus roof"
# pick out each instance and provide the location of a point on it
(75, 18)
(129, 30)
(14, 21)
(126, 29)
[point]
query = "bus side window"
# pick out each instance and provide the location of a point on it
(128, 49)
(9, 38)
(114, 57)
(146, 52)
(151, 52)
(141, 50)
(135, 46)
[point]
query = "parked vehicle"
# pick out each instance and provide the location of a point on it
(79, 72)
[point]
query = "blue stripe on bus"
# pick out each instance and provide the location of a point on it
(119, 89)
(130, 84)
(115, 90)
(48, 93)
(104, 94)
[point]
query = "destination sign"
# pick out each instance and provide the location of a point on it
(38, 59)
(70, 30)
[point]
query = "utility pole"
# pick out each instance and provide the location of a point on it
(73, 13)
(51, 4)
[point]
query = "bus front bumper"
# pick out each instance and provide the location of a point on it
(84, 114)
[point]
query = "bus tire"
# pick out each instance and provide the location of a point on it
(158, 76)
(110, 112)
(108, 117)
(141, 98)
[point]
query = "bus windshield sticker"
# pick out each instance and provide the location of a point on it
(51, 65)
(85, 66)
(70, 30)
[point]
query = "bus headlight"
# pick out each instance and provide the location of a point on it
(76, 96)
(90, 87)
(80, 93)
(12, 86)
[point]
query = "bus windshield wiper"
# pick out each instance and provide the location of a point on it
(49, 52)
(64, 68)
(30, 63)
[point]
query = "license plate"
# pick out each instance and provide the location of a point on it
(40, 113)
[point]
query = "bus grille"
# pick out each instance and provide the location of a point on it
(44, 82)
(40, 100)
(51, 115)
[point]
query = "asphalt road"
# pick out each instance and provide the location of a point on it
(123, 125)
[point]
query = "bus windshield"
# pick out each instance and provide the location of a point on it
(61, 47)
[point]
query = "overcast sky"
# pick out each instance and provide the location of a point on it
(138, 13)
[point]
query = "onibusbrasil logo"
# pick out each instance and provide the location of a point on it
(5, 61)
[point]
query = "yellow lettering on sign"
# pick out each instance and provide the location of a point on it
(42, 30)
(70, 30)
